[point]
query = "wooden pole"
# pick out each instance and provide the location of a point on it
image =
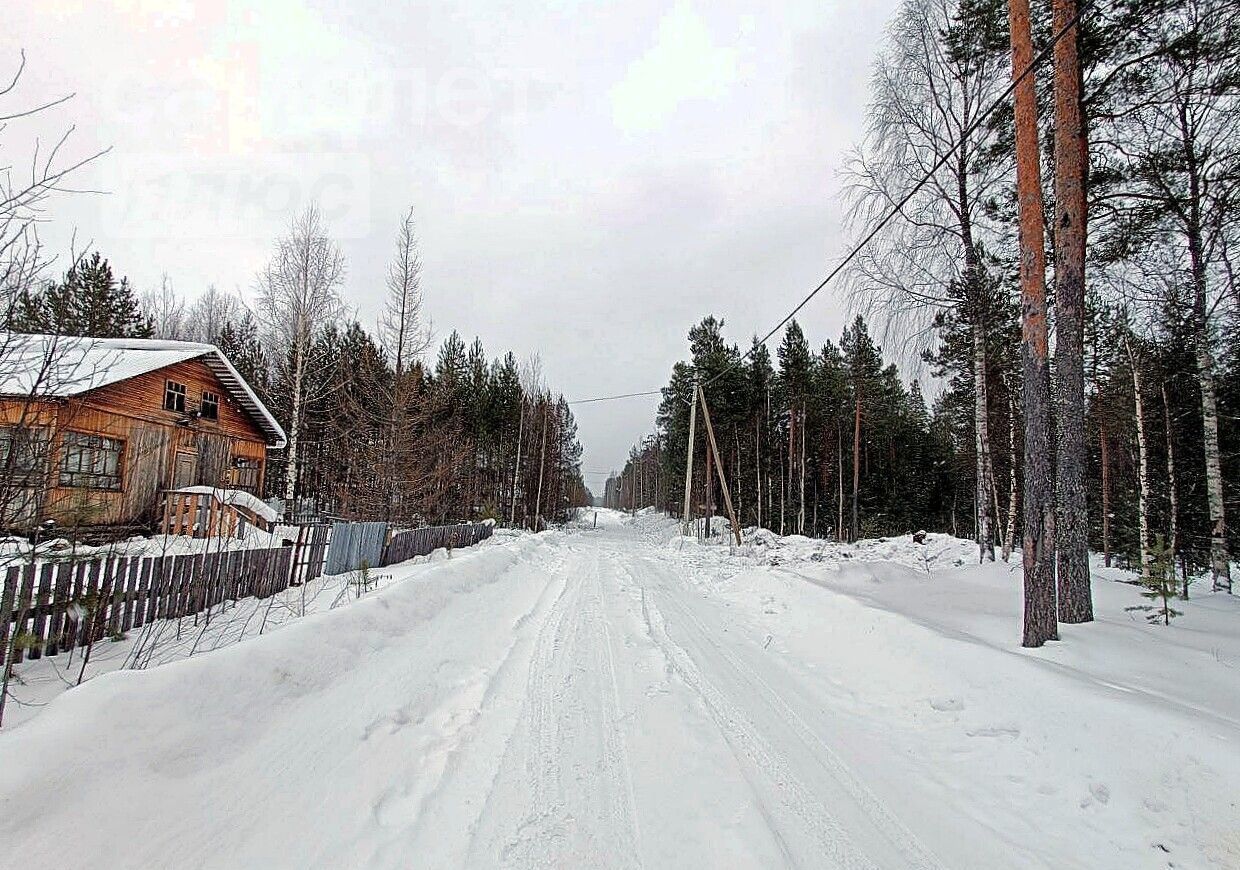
(723, 480)
(689, 460)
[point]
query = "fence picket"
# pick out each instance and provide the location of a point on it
(8, 602)
(24, 596)
(67, 604)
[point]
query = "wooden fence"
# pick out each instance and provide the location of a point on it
(53, 606)
(420, 542)
(310, 552)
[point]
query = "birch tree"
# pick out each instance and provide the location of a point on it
(166, 310)
(211, 313)
(933, 81)
(298, 295)
(1186, 169)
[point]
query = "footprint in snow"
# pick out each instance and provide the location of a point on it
(1097, 792)
(995, 731)
(947, 705)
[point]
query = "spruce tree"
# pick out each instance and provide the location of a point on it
(88, 301)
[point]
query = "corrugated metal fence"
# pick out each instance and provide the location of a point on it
(353, 545)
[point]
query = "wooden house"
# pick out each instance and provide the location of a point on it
(93, 432)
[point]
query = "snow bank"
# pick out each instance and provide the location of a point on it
(41, 681)
(1116, 747)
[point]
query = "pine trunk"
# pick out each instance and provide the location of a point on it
(801, 516)
(839, 476)
(757, 468)
(1071, 156)
(1038, 540)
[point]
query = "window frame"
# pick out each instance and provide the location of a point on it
(210, 399)
(91, 453)
(178, 393)
(32, 443)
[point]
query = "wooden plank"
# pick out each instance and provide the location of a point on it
(25, 596)
(61, 590)
(38, 622)
(103, 601)
(246, 559)
(254, 564)
(214, 572)
(167, 566)
(116, 597)
(89, 601)
(77, 586)
(131, 594)
(8, 602)
(142, 596)
(180, 586)
(220, 574)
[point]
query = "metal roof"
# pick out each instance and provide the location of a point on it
(63, 365)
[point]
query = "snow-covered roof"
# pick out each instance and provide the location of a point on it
(62, 365)
(237, 497)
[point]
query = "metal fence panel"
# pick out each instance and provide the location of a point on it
(355, 544)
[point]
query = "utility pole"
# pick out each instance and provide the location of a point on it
(723, 480)
(633, 488)
(689, 459)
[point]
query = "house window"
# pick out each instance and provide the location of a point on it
(22, 450)
(91, 461)
(210, 406)
(246, 473)
(174, 397)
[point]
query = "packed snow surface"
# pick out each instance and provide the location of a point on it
(627, 697)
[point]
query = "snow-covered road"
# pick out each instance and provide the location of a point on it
(596, 698)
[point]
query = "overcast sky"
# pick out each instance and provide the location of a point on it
(589, 180)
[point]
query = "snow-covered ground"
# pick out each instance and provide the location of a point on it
(625, 697)
(38, 682)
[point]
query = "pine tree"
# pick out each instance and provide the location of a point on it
(1161, 586)
(88, 301)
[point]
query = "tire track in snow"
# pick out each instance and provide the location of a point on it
(562, 795)
(615, 732)
(796, 797)
(471, 718)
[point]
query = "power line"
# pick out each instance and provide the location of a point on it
(886, 219)
(613, 398)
